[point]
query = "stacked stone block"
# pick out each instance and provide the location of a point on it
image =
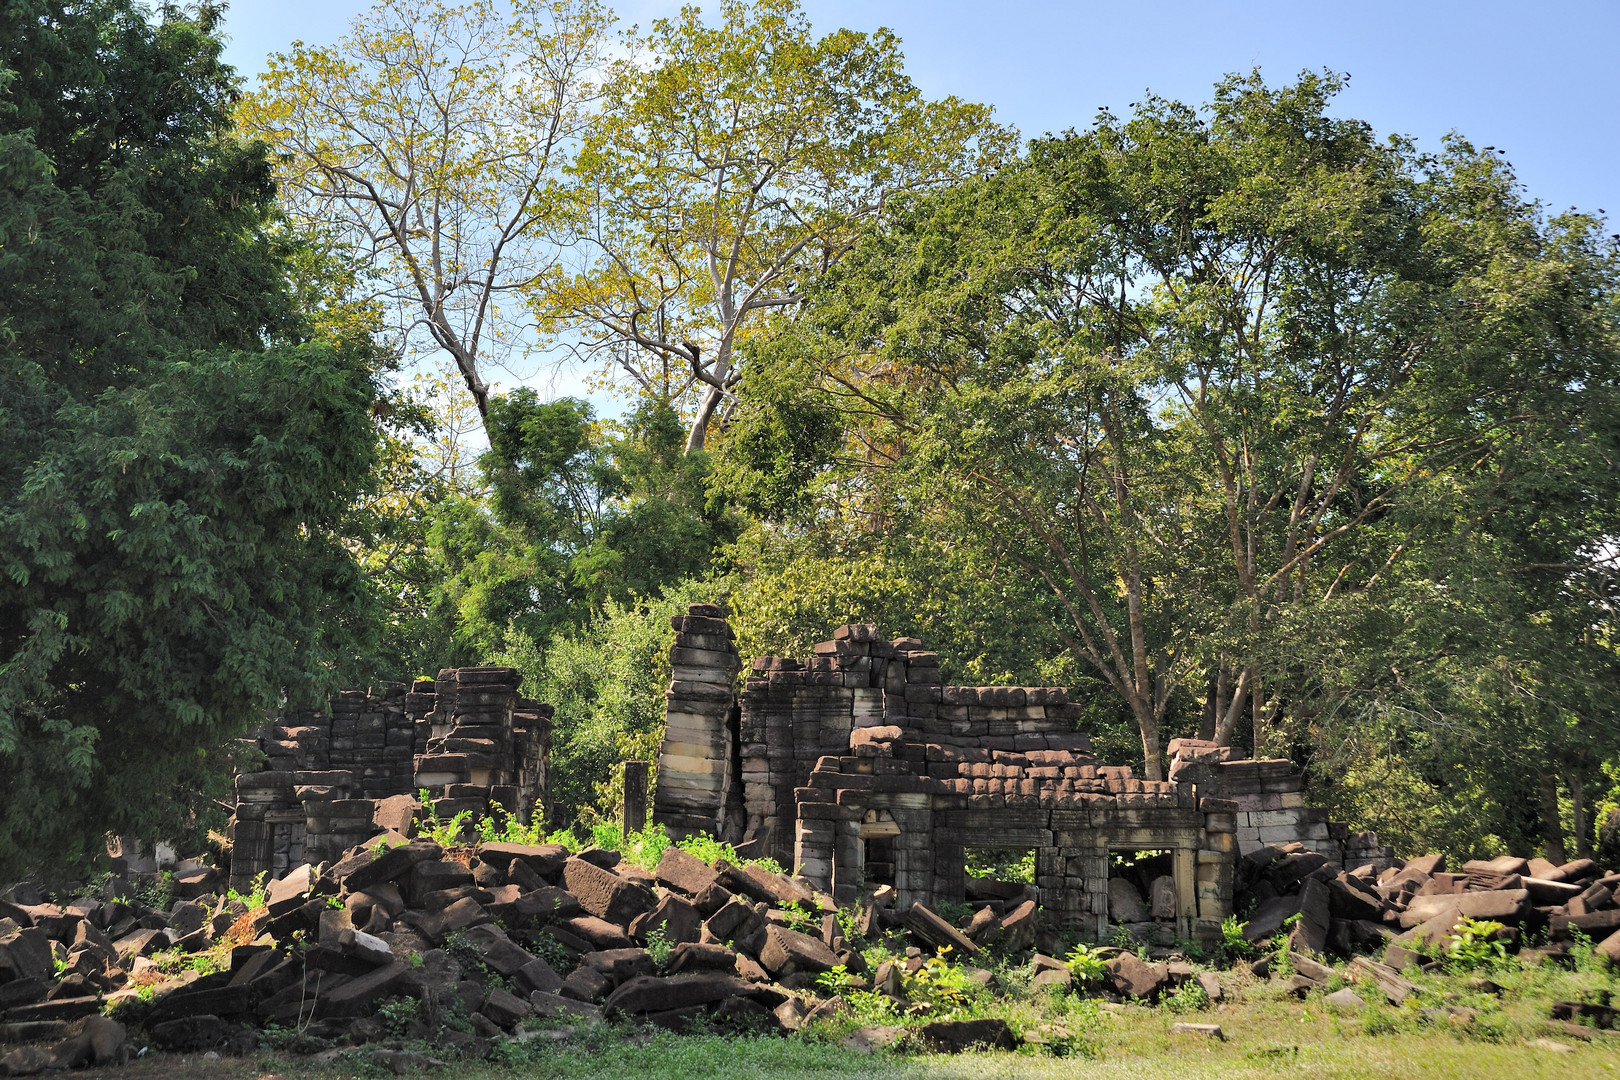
(485, 745)
(327, 772)
(696, 783)
(1268, 803)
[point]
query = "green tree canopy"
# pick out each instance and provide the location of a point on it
(176, 449)
(1228, 383)
(573, 513)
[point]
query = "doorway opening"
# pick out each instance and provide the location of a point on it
(879, 832)
(1141, 888)
(1001, 878)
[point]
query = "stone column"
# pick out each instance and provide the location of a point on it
(694, 760)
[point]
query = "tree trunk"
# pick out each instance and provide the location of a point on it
(1257, 706)
(696, 438)
(1552, 828)
(1227, 724)
(1212, 705)
(1153, 768)
(1583, 828)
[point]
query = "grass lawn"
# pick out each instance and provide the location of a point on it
(1265, 1037)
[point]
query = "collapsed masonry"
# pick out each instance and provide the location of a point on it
(857, 767)
(334, 778)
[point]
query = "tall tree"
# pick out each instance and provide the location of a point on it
(431, 140)
(1200, 373)
(727, 164)
(178, 449)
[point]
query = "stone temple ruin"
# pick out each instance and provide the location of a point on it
(857, 767)
(332, 779)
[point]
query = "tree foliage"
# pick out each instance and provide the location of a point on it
(430, 142)
(1233, 385)
(727, 163)
(177, 449)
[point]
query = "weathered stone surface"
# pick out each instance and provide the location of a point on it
(674, 917)
(787, 951)
(1131, 976)
(1125, 902)
(1269, 917)
(1346, 999)
(651, 993)
(504, 1008)
(189, 1034)
(620, 965)
(1506, 906)
(439, 925)
(26, 954)
(26, 1061)
(545, 1004)
(692, 956)
(936, 932)
(537, 975)
(955, 1036)
(605, 894)
(598, 933)
(586, 984)
(359, 997)
(291, 891)
(1385, 978)
(1017, 929)
(1203, 1031)
(685, 873)
(546, 860)
(1310, 933)
(497, 951)
(388, 865)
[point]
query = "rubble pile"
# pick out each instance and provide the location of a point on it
(1409, 907)
(478, 940)
(402, 939)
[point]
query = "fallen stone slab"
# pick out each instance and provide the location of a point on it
(1206, 1031)
(1131, 976)
(674, 917)
(497, 951)
(787, 951)
(291, 891)
(30, 1031)
(26, 954)
(932, 930)
(68, 1008)
(545, 1004)
(1387, 979)
(605, 894)
(685, 873)
(1504, 906)
(359, 997)
(653, 993)
(546, 860)
(597, 933)
(956, 1036)
(1346, 999)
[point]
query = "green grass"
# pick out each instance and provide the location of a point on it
(1267, 1035)
(1277, 1047)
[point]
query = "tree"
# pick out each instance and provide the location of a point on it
(572, 513)
(178, 451)
(1214, 377)
(728, 163)
(431, 141)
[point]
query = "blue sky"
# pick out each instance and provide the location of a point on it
(1539, 81)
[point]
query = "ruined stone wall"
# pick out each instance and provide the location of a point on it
(858, 687)
(696, 779)
(336, 778)
(1269, 805)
